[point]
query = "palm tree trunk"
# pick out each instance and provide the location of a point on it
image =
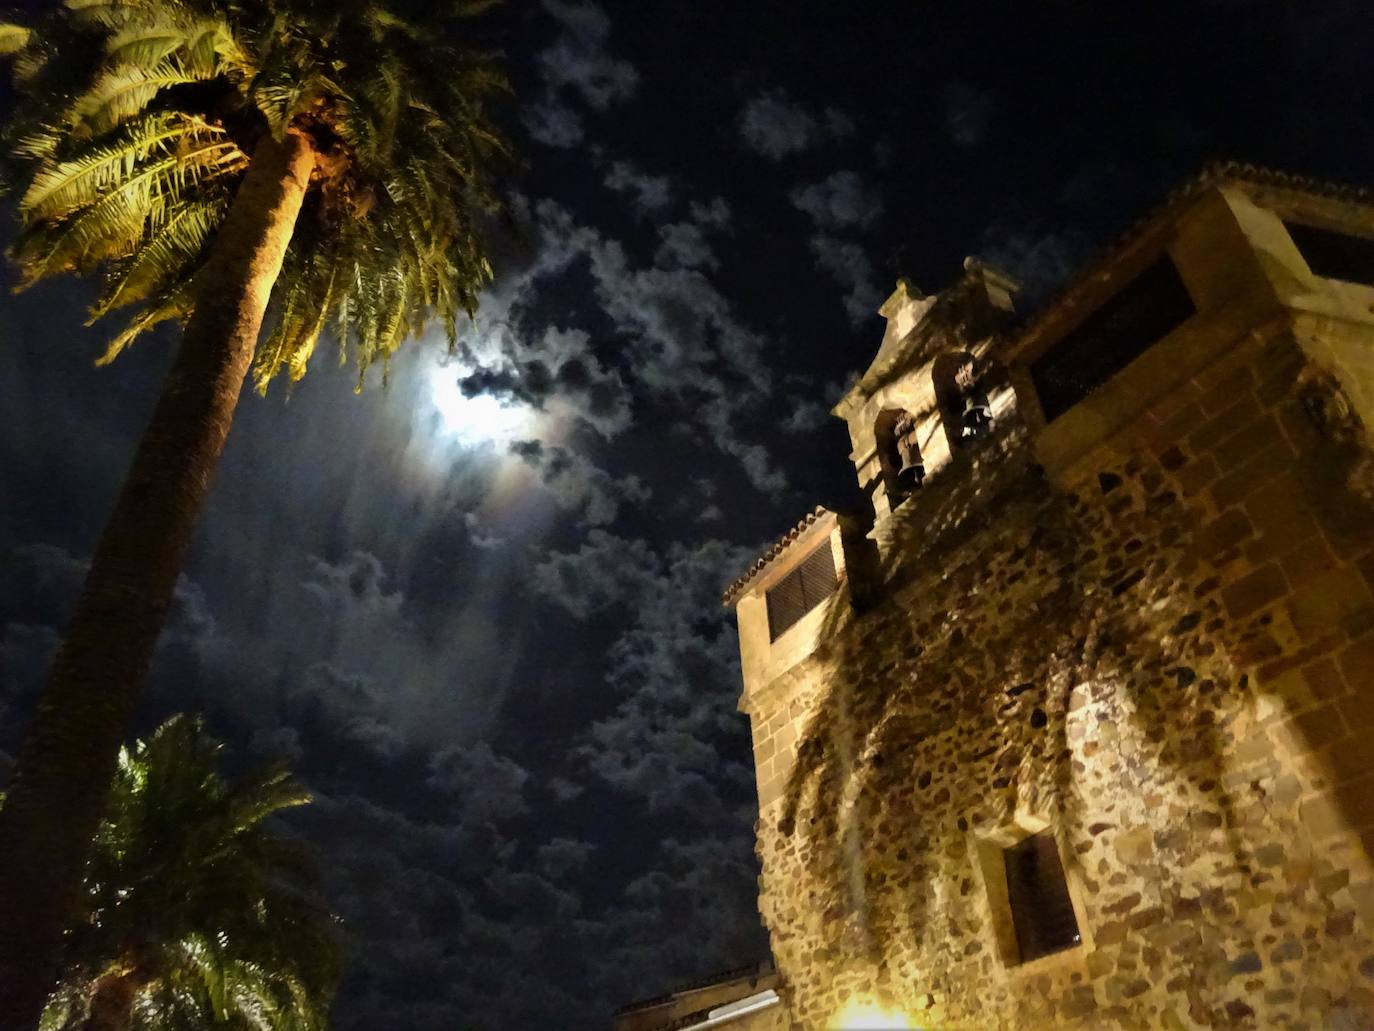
(64, 766)
(112, 1001)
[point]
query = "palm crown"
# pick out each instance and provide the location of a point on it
(194, 914)
(138, 119)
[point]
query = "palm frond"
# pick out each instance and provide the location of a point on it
(146, 42)
(133, 176)
(164, 255)
(13, 38)
(174, 303)
(59, 189)
(187, 879)
(113, 13)
(118, 218)
(124, 90)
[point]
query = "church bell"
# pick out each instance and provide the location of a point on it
(977, 414)
(913, 470)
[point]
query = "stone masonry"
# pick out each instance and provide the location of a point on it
(1145, 625)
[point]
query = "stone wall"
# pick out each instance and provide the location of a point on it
(1163, 650)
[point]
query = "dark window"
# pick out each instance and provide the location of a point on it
(1143, 312)
(1334, 255)
(801, 590)
(1041, 908)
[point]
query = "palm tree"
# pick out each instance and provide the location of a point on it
(195, 915)
(250, 168)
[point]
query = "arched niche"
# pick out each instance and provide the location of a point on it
(899, 453)
(964, 410)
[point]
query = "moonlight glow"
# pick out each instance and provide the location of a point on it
(474, 420)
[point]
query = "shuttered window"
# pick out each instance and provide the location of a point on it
(801, 590)
(1141, 314)
(1041, 909)
(1334, 255)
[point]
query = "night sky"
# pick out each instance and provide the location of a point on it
(479, 608)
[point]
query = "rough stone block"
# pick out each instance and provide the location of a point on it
(1324, 679)
(1257, 470)
(1217, 428)
(1253, 592)
(1327, 601)
(1357, 664)
(1223, 533)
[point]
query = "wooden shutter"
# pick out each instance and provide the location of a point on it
(1041, 908)
(801, 590)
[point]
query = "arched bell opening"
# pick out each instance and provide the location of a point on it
(964, 408)
(899, 454)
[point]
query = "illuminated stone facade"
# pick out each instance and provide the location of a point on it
(1144, 627)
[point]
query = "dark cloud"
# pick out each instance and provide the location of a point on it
(36, 596)
(968, 110)
(675, 668)
(715, 212)
(683, 245)
(847, 263)
(1042, 261)
(556, 372)
(563, 856)
(681, 339)
(576, 67)
(579, 485)
(840, 201)
(648, 193)
(774, 125)
(482, 785)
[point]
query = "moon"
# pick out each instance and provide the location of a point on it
(478, 419)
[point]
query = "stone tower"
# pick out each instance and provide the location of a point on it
(1075, 730)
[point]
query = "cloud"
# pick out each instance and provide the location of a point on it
(841, 201)
(482, 785)
(679, 342)
(968, 110)
(576, 66)
(564, 790)
(714, 213)
(1042, 260)
(276, 743)
(563, 856)
(675, 667)
(774, 125)
(578, 485)
(648, 193)
(36, 598)
(683, 245)
(848, 264)
(553, 123)
(556, 373)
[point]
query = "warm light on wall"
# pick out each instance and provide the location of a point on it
(865, 1015)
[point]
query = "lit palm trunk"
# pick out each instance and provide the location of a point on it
(64, 766)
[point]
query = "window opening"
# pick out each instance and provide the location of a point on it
(1041, 908)
(1334, 255)
(1139, 315)
(801, 590)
